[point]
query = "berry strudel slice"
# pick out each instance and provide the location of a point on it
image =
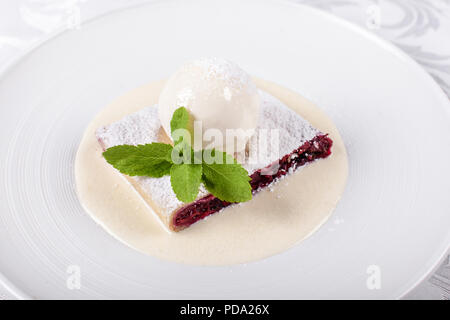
(280, 131)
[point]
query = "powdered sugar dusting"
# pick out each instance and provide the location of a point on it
(137, 128)
(223, 69)
(286, 131)
(280, 130)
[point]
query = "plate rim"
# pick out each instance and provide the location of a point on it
(439, 254)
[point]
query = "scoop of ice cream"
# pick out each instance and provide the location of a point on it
(219, 95)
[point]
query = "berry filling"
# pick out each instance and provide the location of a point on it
(318, 147)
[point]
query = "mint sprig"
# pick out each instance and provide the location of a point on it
(226, 179)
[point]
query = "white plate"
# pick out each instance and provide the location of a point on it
(393, 117)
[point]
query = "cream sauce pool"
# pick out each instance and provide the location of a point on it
(273, 221)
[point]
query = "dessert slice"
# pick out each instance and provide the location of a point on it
(280, 131)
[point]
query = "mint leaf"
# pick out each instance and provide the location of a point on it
(185, 180)
(181, 126)
(228, 180)
(151, 160)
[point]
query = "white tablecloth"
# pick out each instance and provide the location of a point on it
(419, 27)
